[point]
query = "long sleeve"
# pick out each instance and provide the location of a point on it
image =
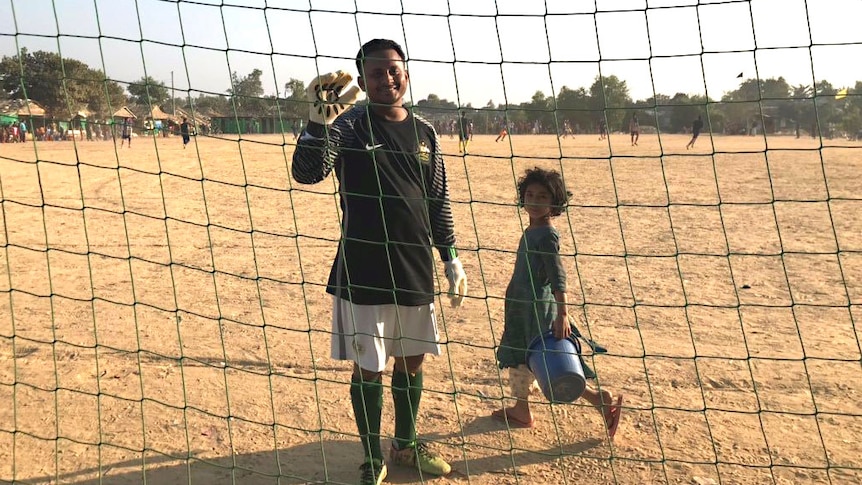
(549, 252)
(439, 206)
(318, 151)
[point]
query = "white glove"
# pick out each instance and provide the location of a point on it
(457, 281)
(325, 99)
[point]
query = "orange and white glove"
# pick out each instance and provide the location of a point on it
(457, 281)
(325, 97)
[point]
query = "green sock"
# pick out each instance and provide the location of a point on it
(406, 393)
(367, 399)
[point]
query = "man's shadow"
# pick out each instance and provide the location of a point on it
(326, 458)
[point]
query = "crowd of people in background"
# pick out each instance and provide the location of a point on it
(20, 132)
(122, 130)
(463, 125)
(13, 132)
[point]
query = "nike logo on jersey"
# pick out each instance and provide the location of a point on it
(370, 147)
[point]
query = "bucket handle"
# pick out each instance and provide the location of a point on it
(572, 338)
(576, 334)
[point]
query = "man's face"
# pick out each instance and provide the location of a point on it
(384, 77)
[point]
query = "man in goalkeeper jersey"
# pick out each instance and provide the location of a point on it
(396, 209)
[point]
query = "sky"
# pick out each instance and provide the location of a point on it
(466, 51)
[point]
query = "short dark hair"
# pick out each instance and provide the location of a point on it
(376, 45)
(551, 180)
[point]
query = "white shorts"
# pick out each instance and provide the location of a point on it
(370, 334)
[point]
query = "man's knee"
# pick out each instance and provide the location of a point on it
(365, 375)
(410, 365)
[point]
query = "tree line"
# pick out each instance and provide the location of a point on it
(64, 86)
(771, 104)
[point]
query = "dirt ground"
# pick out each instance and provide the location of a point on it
(163, 317)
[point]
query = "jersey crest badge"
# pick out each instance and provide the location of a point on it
(424, 152)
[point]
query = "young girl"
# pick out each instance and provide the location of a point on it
(536, 295)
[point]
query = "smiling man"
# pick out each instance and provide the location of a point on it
(395, 203)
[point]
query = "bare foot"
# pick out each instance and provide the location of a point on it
(513, 417)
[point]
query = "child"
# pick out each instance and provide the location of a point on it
(536, 295)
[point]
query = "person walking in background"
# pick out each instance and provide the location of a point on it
(634, 129)
(126, 132)
(185, 132)
(396, 210)
(566, 131)
(296, 128)
(465, 132)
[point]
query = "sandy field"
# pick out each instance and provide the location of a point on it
(163, 317)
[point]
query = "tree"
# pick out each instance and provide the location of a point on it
(801, 107)
(148, 92)
(742, 107)
(60, 85)
(105, 97)
(295, 105)
(610, 96)
(247, 94)
(541, 109)
(683, 110)
(573, 105)
(211, 105)
(851, 122)
(827, 110)
(435, 108)
(656, 110)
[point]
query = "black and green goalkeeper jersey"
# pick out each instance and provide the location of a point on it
(394, 200)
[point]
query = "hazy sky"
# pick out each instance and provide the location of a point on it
(468, 51)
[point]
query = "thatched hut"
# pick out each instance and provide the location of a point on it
(124, 112)
(24, 111)
(159, 121)
(78, 123)
(17, 109)
(200, 122)
(23, 108)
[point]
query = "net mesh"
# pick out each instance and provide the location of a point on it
(163, 317)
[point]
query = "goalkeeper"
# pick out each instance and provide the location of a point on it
(396, 209)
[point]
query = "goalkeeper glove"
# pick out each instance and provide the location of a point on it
(325, 97)
(457, 281)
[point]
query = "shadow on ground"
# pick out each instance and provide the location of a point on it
(324, 461)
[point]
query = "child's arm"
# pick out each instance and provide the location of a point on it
(562, 329)
(557, 276)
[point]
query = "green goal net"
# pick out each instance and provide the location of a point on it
(163, 314)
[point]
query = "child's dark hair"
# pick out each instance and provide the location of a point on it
(551, 180)
(376, 45)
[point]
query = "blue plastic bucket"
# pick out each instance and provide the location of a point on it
(557, 367)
